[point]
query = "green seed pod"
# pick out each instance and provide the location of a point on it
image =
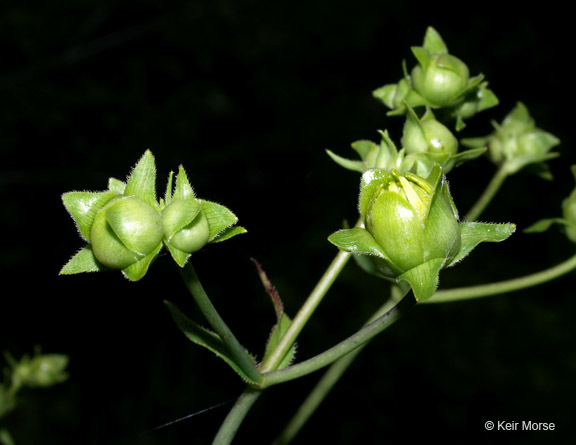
(122, 226)
(190, 223)
(517, 142)
(125, 231)
(441, 79)
(427, 135)
(186, 226)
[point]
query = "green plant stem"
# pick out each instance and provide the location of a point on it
(306, 311)
(489, 193)
(236, 415)
(502, 287)
(341, 349)
(240, 355)
(330, 378)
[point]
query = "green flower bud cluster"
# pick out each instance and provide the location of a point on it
(517, 142)
(425, 142)
(411, 228)
(39, 370)
(439, 80)
(125, 227)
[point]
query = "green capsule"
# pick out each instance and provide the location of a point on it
(125, 231)
(186, 226)
(441, 80)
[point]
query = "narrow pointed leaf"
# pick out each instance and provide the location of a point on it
(183, 188)
(83, 207)
(205, 338)
(168, 193)
(228, 233)
(83, 261)
(142, 181)
(423, 279)
(349, 164)
(474, 233)
(275, 336)
(357, 241)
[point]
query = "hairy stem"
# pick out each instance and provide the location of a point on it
(341, 349)
(240, 355)
(306, 311)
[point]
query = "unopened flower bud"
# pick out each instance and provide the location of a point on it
(427, 135)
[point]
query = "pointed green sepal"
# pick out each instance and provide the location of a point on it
(348, 164)
(183, 188)
(142, 181)
(228, 233)
(116, 186)
(207, 339)
(434, 43)
(83, 207)
(357, 241)
(83, 261)
(137, 270)
(474, 233)
(178, 255)
(423, 279)
(219, 218)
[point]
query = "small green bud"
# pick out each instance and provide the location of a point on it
(411, 229)
(195, 232)
(427, 135)
(190, 223)
(40, 370)
(440, 78)
(517, 142)
(411, 219)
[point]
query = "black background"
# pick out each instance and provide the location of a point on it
(247, 95)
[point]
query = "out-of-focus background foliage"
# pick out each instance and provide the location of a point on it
(247, 95)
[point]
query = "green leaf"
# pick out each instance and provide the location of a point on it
(137, 270)
(474, 233)
(275, 336)
(349, 164)
(83, 207)
(357, 241)
(83, 261)
(423, 279)
(205, 338)
(142, 181)
(219, 218)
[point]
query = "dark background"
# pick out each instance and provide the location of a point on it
(247, 95)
